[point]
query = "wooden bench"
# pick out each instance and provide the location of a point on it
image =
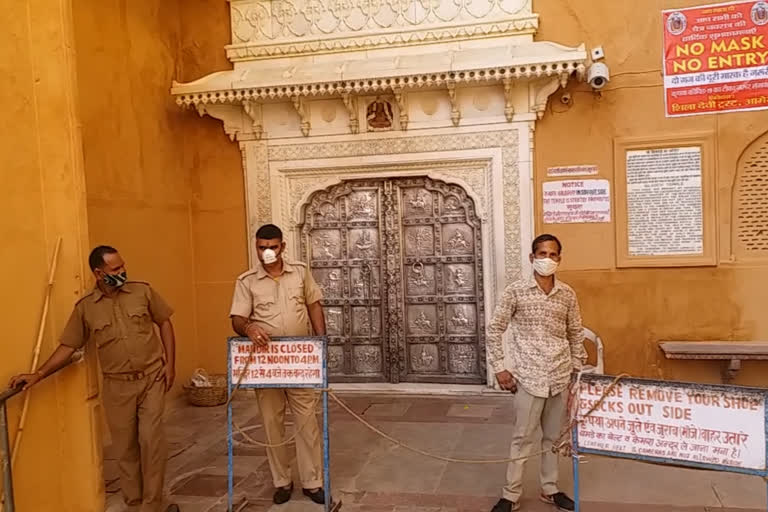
(732, 352)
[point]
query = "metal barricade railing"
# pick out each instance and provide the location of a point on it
(9, 503)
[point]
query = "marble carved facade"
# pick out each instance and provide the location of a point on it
(327, 91)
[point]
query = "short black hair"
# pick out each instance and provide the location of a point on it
(269, 232)
(546, 238)
(96, 258)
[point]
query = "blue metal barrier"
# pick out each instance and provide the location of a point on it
(317, 382)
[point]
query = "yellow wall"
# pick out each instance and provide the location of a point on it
(139, 189)
(43, 199)
(634, 309)
(218, 200)
(164, 185)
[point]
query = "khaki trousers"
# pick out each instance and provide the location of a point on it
(530, 413)
(272, 404)
(134, 411)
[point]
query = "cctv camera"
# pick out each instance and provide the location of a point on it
(598, 75)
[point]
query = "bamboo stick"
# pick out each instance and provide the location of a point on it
(36, 354)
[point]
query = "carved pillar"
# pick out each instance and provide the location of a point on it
(455, 112)
(351, 104)
(301, 109)
(400, 98)
(509, 108)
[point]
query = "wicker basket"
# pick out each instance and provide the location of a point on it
(209, 396)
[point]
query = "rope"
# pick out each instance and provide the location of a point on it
(248, 438)
(562, 445)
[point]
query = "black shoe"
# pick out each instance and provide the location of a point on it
(282, 494)
(504, 505)
(560, 500)
(173, 508)
(317, 496)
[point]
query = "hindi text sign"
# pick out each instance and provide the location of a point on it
(716, 58)
(572, 170)
(692, 424)
(286, 362)
(576, 201)
(665, 213)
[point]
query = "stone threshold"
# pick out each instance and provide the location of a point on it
(178, 399)
(371, 388)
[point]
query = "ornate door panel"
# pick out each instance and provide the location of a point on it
(400, 264)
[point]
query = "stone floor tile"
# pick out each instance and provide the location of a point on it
(473, 480)
(242, 465)
(352, 435)
(204, 485)
(471, 411)
(483, 442)
(195, 503)
(427, 411)
(438, 438)
(366, 508)
(404, 472)
(387, 410)
(345, 468)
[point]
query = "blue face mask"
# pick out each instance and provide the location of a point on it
(115, 280)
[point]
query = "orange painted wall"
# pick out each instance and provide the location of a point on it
(216, 176)
(42, 181)
(164, 186)
(139, 188)
(633, 309)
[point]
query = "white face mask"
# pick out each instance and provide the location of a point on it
(269, 256)
(545, 266)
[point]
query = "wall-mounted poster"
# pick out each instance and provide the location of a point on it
(716, 58)
(576, 201)
(664, 201)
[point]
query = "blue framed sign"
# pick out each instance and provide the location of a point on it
(286, 362)
(705, 426)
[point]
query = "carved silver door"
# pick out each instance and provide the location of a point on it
(400, 264)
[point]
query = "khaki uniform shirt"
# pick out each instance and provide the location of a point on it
(277, 305)
(121, 327)
(548, 338)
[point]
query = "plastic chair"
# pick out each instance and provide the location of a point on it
(598, 343)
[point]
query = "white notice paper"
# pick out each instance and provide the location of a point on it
(664, 205)
(577, 201)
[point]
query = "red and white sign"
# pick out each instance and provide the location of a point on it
(285, 363)
(716, 58)
(676, 422)
(576, 201)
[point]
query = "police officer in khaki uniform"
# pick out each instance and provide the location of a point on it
(281, 298)
(117, 318)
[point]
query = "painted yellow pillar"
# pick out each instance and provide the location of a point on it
(43, 188)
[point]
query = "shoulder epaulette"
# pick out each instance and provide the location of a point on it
(247, 273)
(81, 299)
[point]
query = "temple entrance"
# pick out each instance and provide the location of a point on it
(400, 264)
